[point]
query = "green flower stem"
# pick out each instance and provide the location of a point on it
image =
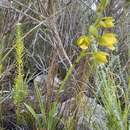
(83, 53)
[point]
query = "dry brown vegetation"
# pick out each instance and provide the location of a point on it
(50, 30)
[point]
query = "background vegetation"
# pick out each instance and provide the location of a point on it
(39, 86)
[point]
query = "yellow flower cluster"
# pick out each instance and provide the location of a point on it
(107, 40)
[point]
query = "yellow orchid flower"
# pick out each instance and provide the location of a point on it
(108, 40)
(101, 57)
(83, 42)
(107, 22)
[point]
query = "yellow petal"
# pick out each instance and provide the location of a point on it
(107, 22)
(108, 40)
(83, 46)
(101, 57)
(83, 42)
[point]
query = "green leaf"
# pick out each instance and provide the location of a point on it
(41, 104)
(31, 110)
(93, 30)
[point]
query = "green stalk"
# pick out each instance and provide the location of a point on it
(70, 70)
(20, 88)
